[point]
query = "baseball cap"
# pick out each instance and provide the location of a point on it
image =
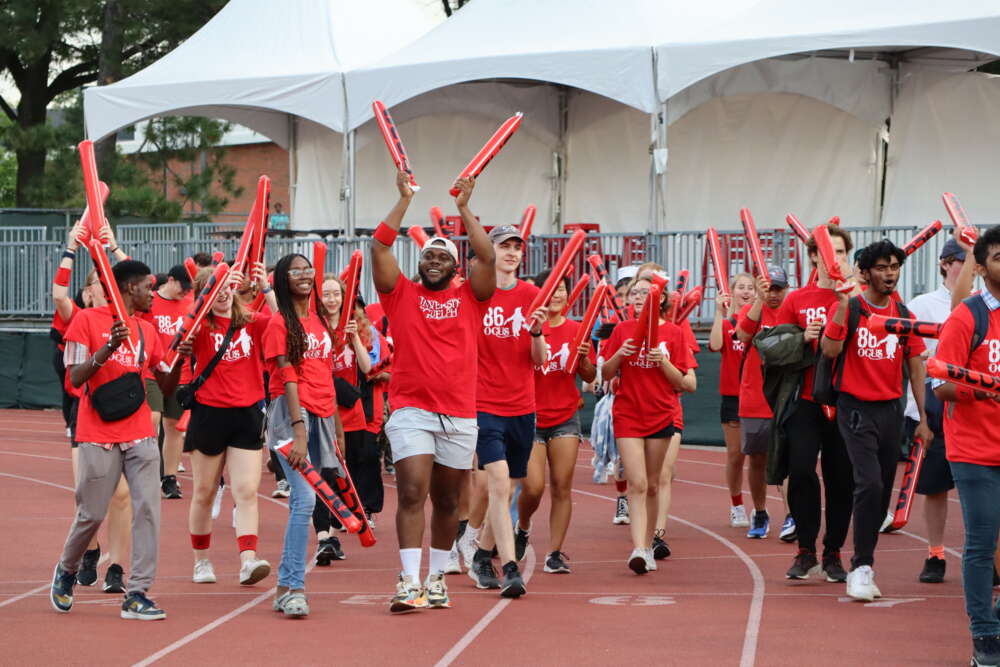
(777, 275)
(952, 249)
(444, 244)
(502, 233)
(180, 274)
(626, 273)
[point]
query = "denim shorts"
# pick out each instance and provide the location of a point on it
(506, 438)
(569, 428)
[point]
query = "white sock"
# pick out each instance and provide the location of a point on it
(439, 560)
(471, 534)
(410, 558)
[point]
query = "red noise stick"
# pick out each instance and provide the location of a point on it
(319, 264)
(191, 268)
(753, 243)
(255, 221)
(687, 305)
(800, 231)
(827, 255)
(393, 142)
(199, 309)
(835, 220)
(490, 150)
(968, 233)
(683, 277)
(597, 264)
(586, 326)
(92, 188)
(642, 321)
(437, 219)
(559, 270)
(217, 257)
(908, 485)
(925, 235)
(652, 333)
(964, 376)
(325, 493)
(715, 252)
(578, 289)
(527, 220)
(350, 291)
(419, 236)
(881, 325)
(345, 488)
(88, 226)
(111, 289)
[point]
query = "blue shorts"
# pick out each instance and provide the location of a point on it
(506, 438)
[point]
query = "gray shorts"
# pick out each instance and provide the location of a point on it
(754, 435)
(570, 427)
(451, 440)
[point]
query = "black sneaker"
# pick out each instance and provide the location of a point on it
(986, 651)
(329, 551)
(933, 572)
(483, 573)
(61, 596)
(805, 564)
(520, 543)
(556, 563)
(169, 487)
(661, 549)
(513, 584)
(140, 608)
(114, 580)
(833, 568)
(87, 575)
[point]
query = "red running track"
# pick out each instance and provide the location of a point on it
(720, 599)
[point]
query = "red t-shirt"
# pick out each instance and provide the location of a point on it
(873, 366)
(752, 401)
(315, 371)
(91, 328)
(434, 334)
(506, 384)
(802, 306)
(345, 367)
(375, 315)
(732, 356)
(238, 379)
(968, 425)
(167, 315)
(646, 402)
(557, 395)
(689, 336)
(60, 325)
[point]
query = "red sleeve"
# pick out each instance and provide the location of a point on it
(611, 345)
(275, 338)
(956, 335)
(689, 338)
(155, 348)
(78, 331)
(744, 323)
(681, 356)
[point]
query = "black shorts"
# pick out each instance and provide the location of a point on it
(935, 473)
(729, 410)
(211, 430)
(665, 433)
(506, 438)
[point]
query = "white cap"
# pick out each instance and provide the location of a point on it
(626, 273)
(444, 244)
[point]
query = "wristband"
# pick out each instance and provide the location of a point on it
(288, 374)
(95, 362)
(267, 290)
(115, 249)
(534, 335)
(62, 276)
(965, 394)
(835, 331)
(297, 421)
(68, 254)
(385, 234)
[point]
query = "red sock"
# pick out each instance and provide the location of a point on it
(937, 552)
(201, 542)
(737, 500)
(622, 486)
(247, 543)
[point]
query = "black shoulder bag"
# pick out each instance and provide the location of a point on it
(123, 396)
(185, 392)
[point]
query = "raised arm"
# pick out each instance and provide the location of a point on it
(385, 268)
(61, 298)
(715, 341)
(966, 279)
(482, 276)
(835, 333)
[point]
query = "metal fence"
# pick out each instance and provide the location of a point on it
(28, 261)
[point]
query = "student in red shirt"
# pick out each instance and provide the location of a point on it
(226, 427)
(869, 379)
(171, 303)
(115, 435)
(722, 338)
(432, 429)
(756, 418)
(811, 433)
(970, 423)
(557, 425)
(644, 412)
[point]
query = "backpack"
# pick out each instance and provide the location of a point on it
(980, 319)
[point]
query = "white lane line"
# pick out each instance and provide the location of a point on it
(38, 456)
(488, 618)
(24, 595)
(749, 654)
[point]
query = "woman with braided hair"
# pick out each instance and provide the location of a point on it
(298, 350)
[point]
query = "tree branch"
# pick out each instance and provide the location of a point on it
(73, 77)
(7, 109)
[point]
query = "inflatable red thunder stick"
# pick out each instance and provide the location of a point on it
(577, 292)
(689, 303)
(191, 268)
(111, 289)
(715, 252)
(217, 257)
(88, 226)
(835, 220)
(319, 265)
(753, 243)
(642, 320)
(199, 309)
(325, 493)
(351, 283)
(798, 228)
(827, 255)
(419, 236)
(490, 150)
(681, 284)
(344, 487)
(559, 270)
(255, 230)
(967, 231)
(652, 333)
(611, 296)
(437, 219)
(92, 189)
(966, 377)
(908, 485)
(393, 142)
(922, 237)
(880, 325)
(527, 220)
(586, 326)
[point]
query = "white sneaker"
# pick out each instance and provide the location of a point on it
(282, 489)
(467, 547)
(204, 573)
(638, 562)
(621, 512)
(180, 466)
(861, 584)
(217, 503)
(738, 517)
(887, 524)
(650, 560)
(252, 571)
(454, 565)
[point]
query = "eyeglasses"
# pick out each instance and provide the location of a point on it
(301, 273)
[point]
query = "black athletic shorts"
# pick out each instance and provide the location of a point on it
(665, 433)
(729, 410)
(935, 473)
(211, 430)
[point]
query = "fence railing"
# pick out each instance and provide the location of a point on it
(28, 261)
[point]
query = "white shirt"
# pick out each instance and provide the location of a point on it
(931, 307)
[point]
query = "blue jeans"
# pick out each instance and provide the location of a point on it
(978, 491)
(292, 570)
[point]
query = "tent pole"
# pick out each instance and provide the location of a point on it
(559, 164)
(293, 164)
(658, 173)
(352, 182)
(347, 179)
